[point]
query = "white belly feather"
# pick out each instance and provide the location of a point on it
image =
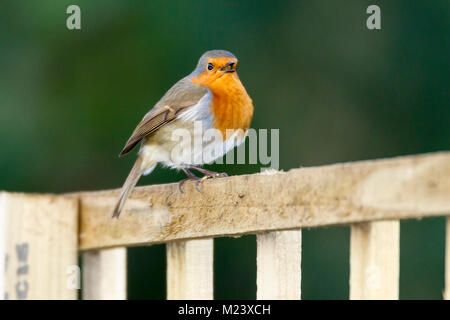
(188, 140)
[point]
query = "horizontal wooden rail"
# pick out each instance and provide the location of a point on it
(38, 233)
(397, 188)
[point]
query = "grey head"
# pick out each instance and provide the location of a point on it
(201, 65)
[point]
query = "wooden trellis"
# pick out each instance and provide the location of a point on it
(41, 235)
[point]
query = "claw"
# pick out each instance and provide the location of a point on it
(190, 176)
(197, 181)
(197, 186)
(180, 185)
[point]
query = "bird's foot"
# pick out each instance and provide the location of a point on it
(209, 173)
(190, 176)
(181, 183)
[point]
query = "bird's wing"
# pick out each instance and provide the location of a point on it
(180, 97)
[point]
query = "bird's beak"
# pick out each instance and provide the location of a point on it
(229, 67)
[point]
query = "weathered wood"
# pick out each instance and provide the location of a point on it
(39, 243)
(105, 274)
(398, 188)
(447, 261)
(190, 270)
(279, 265)
(374, 260)
(3, 257)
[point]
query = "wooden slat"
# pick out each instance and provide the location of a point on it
(447, 261)
(398, 188)
(105, 274)
(39, 244)
(3, 258)
(374, 260)
(190, 270)
(279, 265)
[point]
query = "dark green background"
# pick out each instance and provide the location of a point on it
(336, 90)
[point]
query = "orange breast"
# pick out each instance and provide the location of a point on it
(231, 107)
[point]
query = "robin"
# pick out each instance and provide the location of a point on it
(213, 96)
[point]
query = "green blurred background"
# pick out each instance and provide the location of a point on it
(336, 90)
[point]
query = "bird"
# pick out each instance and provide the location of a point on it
(211, 97)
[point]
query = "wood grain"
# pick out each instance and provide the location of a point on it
(398, 188)
(279, 265)
(447, 261)
(190, 270)
(374, 260)
(105, 274)
(39, 245)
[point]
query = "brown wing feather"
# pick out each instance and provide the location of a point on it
(181, 96)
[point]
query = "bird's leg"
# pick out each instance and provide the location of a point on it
(208, 173)
(190, 176)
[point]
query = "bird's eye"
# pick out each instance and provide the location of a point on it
(210, 66)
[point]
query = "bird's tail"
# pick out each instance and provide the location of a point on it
(128, 186)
